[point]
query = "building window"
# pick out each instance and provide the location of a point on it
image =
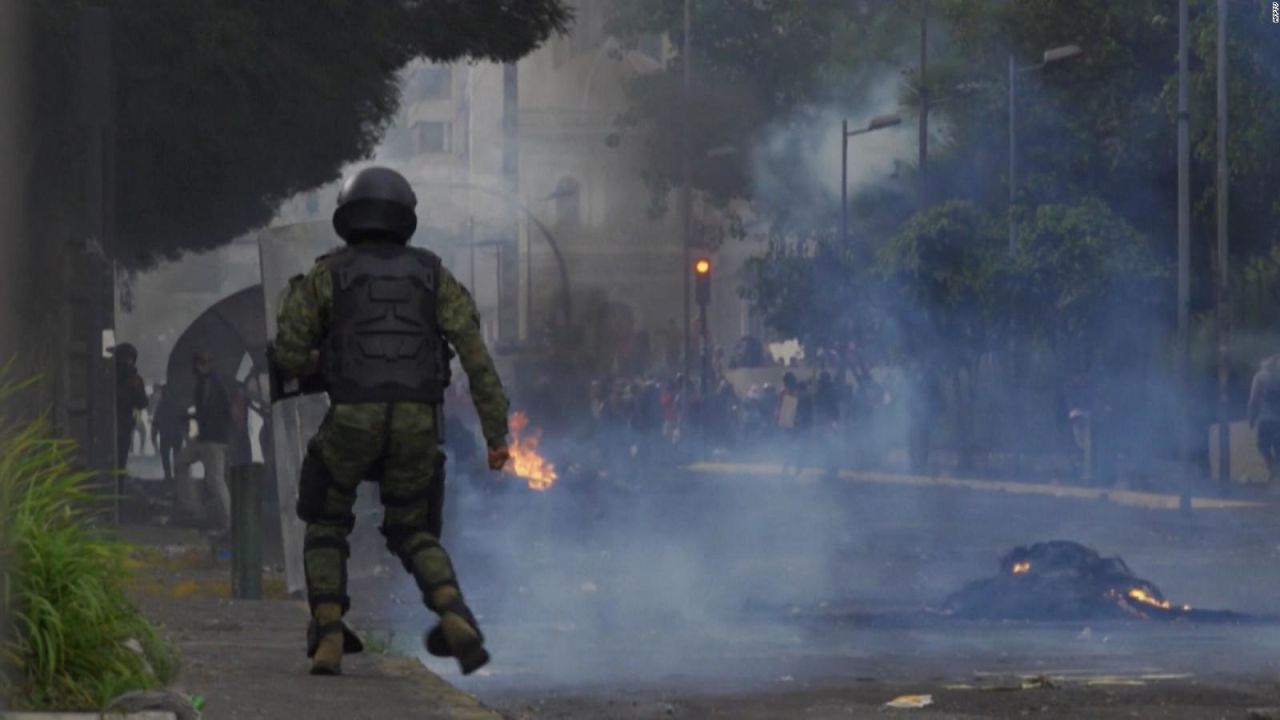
(568, 201)
(429, 82)
(432, 138)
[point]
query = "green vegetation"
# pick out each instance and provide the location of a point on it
(69, 622)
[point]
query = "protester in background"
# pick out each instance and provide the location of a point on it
(213, 435)
(1264, 413)
(169, 427)
(240, 448)
(788, 421)
(826, 415)
(131, 396)
(1079, 403)
(141, 423)
(670, 401)
(153, 409)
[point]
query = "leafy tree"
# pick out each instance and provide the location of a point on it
(225, 108)
(757, 68)
(942, 271)
(1103, 124)
(1084, 277)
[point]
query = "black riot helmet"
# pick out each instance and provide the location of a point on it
(376, 202)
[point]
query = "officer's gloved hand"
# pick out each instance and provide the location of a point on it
(498, 457)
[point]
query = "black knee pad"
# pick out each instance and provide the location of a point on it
(397, 535)
(313, 487)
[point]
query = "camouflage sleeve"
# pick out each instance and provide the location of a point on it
(303, 314)
(460, 323)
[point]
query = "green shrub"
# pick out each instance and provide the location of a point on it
(62, 586)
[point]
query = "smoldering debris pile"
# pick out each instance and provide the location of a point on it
(1064, 581)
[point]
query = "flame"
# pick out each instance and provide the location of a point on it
(1021, 568)
(1144, 597)
(525, 460)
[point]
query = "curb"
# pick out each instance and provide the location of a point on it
(462, 705)
(87, 716)
(1131, 498)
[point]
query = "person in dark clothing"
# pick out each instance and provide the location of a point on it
(826, 413)
(213, 425)
(240, 448)
(131, 396)
(168, 428)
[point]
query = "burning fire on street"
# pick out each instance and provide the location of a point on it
(1060, 580)
(526, 462)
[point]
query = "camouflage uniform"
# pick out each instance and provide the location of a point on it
(394, 443)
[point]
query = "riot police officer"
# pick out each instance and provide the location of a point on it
(374, 322)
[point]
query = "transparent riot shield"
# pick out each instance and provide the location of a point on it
(285, 252)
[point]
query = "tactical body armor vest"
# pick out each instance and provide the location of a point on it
(383, 343)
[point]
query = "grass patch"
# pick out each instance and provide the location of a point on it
(69, 622)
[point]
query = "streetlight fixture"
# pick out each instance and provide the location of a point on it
(1052, 55)
(1057, 54)
(878, 122)
(1061, 53)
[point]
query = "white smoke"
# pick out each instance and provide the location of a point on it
(801, 155)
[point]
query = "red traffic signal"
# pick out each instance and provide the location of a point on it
(702, 266)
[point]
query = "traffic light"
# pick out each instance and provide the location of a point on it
(702, 280)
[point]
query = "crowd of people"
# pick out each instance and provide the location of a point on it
(210, 427)
(827, 413)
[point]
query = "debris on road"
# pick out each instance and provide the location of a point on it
(910, 702)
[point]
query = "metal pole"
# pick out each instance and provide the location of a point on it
(923, 161)
(705, 331)
(1016, 410)
(246, 531)
(508, 254)
(844, 184)
(95, 92)
(1013, 148)
(471, 241)
(1182, 353)
(685, 199)
(1224, 262)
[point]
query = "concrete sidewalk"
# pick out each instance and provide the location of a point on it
(247, 658)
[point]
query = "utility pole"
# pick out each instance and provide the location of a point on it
(686, 171)
(1224, 264)
(508, 254)
(923, 162)
(878, 122)
(1182, 352)
(844, 183)
(1013, 147)
(91, 394)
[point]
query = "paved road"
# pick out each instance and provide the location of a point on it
(753, 594)
(740, 592)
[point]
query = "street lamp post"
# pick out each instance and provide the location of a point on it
(877, 123)
(1050, 56)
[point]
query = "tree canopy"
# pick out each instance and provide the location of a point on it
(226, 108)
(1096, 184)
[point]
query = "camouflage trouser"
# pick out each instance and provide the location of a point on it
(396, 445)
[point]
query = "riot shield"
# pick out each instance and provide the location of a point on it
(285, 252)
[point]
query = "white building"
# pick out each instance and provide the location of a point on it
(488, 172)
